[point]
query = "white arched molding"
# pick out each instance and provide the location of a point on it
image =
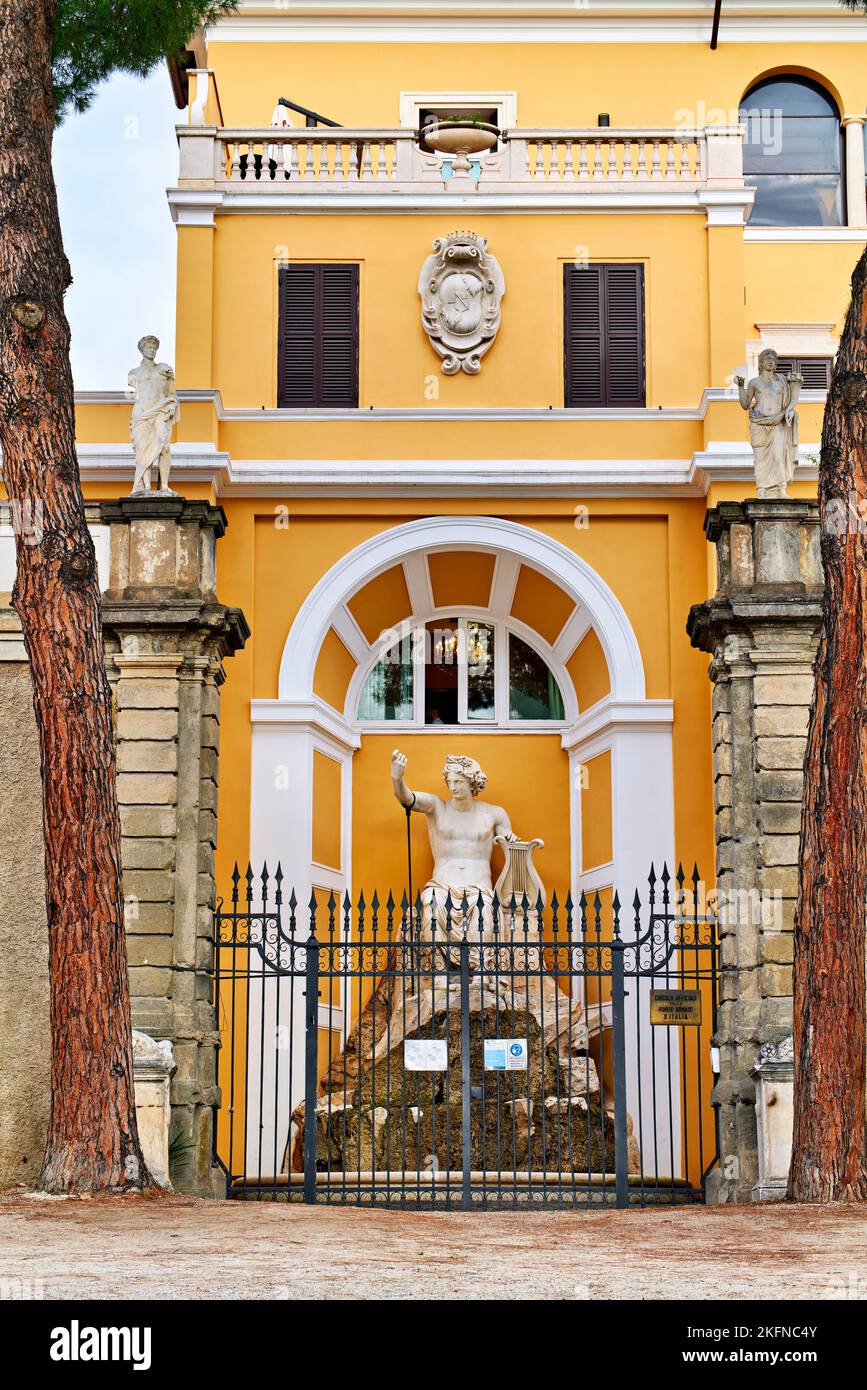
(437, 533)
(636, 730)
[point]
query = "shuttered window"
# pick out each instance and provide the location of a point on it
(318, 336)
(816, 371)
(604, 335)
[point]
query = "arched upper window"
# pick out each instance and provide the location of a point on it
(461, 671)
(793, 154)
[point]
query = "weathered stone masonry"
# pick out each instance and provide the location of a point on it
(25, 1052)
(761, 630)
(166, 637)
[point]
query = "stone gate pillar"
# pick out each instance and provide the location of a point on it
(761, 629)
(166, 637)
(25, 1036)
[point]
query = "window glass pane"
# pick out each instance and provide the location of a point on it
(480, 671)
(793, 155)
(387, 692)
(791, 96)
(441, 672)
(794, 146)
(791, 200)
(533, 691)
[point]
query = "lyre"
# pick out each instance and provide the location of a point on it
(519, 874)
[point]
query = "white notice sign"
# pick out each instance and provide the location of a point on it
(425, 1054)
(505, 1054)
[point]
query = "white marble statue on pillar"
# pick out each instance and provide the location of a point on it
(154, 413)
(770, 398)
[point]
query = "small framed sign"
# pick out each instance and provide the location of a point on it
(675, 1008)
(425, 1054)
(505, 1054)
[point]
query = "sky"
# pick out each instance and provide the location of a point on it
(112, 166)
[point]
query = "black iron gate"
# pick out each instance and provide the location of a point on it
(465, 1054)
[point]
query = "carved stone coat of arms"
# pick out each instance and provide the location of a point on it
(461, 286)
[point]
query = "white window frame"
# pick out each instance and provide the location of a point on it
(502, 719)
(413, 103)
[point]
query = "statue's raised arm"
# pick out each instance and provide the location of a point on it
(413, 801)
(745, 392)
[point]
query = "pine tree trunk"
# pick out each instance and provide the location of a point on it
(93, 1140)
(828, 1160)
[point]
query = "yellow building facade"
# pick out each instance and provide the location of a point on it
(579, 530)
(538, 520)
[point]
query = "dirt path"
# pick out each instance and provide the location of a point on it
(184, 1248)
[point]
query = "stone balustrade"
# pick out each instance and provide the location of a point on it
(334, 159)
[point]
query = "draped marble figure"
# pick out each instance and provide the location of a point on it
(770, 399)
(154, 413)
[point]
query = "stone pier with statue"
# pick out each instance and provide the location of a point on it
(469, 974)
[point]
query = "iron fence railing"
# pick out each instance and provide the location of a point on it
(465, 1053)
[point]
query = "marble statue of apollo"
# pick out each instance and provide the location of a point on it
(461, 831)
(154, 412)
(770, 399)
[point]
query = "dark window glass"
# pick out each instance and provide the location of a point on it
(317, 362)
(533, 691)
(603, 323)
(793, 154)
(442, 640)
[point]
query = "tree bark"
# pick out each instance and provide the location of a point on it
(828, 1158)
(93, 1140)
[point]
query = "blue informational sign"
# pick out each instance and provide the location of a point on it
(505, 1054)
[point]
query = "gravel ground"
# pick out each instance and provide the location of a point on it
(185, 1248)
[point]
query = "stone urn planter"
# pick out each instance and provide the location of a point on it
(460, 140)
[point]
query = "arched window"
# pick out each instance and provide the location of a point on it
(793, 154)
(461, 671)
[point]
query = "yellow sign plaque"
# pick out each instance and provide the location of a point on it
(675, 1008)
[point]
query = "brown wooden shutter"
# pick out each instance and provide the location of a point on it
(604, 336)
(585, 375)
(816, 371)
(318, 336)
(624, 318)
(339, 336)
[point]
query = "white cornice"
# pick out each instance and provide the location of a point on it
(433, 415)
(313, 715)
(729, 462)
(539, 21)
(816, 235)
(194, 208)
(593, 730)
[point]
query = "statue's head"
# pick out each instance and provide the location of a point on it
(460, 772)
(148, 345)
(768, 360)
